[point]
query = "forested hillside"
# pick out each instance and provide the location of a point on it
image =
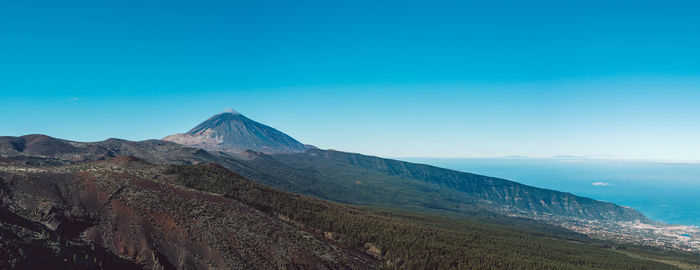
(414, 241)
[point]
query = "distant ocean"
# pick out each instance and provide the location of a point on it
(666, 192)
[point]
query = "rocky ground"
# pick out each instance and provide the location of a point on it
(132, 211)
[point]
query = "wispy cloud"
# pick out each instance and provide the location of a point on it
(601, 184)
(74, 99)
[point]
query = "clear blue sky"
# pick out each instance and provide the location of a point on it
(392, 78)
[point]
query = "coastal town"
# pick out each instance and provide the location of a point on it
(679, 237)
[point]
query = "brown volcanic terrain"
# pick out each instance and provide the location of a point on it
(133, 209)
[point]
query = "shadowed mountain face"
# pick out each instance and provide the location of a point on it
(26, 244)
(232, 132)
(444, 189)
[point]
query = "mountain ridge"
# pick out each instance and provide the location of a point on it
(333, 175)
(479, 187)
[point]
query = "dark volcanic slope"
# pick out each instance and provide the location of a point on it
(233, 132)
(133, 209)
(25, 244)
(337, 176)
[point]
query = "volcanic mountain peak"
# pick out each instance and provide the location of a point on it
(232, 132)
(229, 110)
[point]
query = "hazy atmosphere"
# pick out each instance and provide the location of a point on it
(604, 80)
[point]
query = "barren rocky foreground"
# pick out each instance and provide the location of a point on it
(134, 210)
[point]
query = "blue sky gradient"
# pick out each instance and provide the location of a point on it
(396, 78)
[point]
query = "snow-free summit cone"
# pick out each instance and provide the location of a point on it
(232, 132)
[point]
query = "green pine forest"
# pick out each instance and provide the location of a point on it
(412, 240)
